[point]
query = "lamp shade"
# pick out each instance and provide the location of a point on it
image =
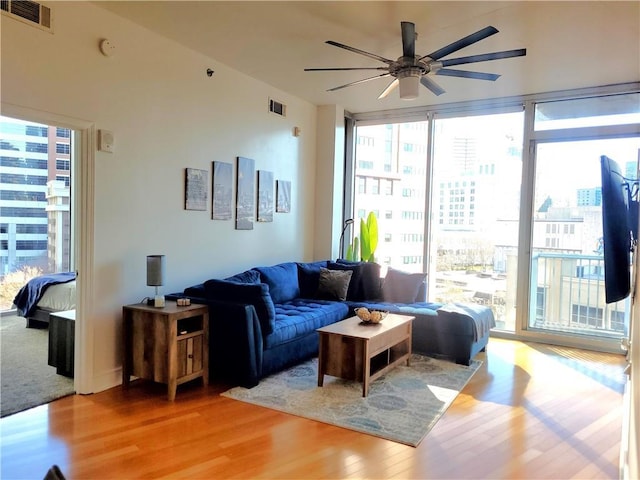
(409, 87)
(155, 270)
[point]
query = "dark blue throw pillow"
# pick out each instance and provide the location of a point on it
(250, 276)
(256, 294)
(354, 292)
(195, 291)
(309, 277)
(366, 285)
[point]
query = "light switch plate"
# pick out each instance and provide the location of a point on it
(105, 141)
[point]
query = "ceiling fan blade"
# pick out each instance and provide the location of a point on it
(340, 68)
(408, 39)
(463, 42)
(466, 74)
(357, 82)
(485, 57)
(389, 88)
(361, 52)
(431, 85)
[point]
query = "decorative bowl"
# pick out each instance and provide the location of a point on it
(370, 316)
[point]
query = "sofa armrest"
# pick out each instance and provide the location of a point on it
(256, 294)
(235, 342)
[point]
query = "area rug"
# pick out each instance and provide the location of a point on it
(402, 406)
(27, 379)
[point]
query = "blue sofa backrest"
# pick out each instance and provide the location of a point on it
(282, 280)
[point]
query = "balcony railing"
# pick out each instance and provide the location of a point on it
(568, 295)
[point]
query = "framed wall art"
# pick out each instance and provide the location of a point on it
(265, 196)
(245, 188)
(222, 191)
(283, 196)
(195, 189)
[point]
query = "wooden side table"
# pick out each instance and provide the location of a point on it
(62, 331)
(166, 345)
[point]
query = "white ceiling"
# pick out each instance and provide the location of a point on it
(569, 44)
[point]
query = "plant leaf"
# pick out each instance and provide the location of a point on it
(349, 255)
(365, 245)
(372, 230)
(356, 249)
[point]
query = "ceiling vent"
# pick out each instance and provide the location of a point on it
(31, 13)
(277, 108)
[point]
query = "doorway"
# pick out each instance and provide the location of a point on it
(82, 208)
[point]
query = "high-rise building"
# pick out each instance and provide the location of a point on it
(589, 197)
(35, 170)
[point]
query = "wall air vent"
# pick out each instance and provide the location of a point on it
(277, 108)
(31, 13)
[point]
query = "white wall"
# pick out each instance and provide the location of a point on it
(166, 115)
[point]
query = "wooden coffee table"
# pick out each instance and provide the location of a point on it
(353, 351)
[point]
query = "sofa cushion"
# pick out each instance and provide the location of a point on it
(249, 276)
(401, 287)
(256, 294)
(282, 280)
(333, 284)
(300, 317)
(365, 282)
(308, 277)
(417, 309)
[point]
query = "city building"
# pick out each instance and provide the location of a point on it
(34, 196)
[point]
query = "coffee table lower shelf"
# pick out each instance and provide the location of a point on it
(363, 353)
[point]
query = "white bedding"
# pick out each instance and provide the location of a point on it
(61, 296)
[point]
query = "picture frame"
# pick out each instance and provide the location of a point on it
(245, 188)
(283, 196)
(265, 196)
(221, 191)
(195, 189)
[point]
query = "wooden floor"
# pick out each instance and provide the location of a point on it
(531, 411)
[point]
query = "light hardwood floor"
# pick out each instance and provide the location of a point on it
(531, 411)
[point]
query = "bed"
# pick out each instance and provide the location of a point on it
(44, 295)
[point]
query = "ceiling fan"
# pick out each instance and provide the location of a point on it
(410, 70)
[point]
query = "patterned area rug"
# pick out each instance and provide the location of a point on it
(401, 406)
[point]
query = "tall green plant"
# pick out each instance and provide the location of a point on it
(353, 251)
(364, 246)
(369, 237)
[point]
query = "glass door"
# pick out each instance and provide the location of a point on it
(567, 293)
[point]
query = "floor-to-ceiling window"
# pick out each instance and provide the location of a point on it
(475, 198)
(390, 181)
(494, 204)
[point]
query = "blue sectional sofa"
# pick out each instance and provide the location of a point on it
(265, 319)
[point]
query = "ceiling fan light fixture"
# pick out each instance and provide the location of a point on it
(409, 87)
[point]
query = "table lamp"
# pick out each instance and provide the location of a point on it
(155, 277)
